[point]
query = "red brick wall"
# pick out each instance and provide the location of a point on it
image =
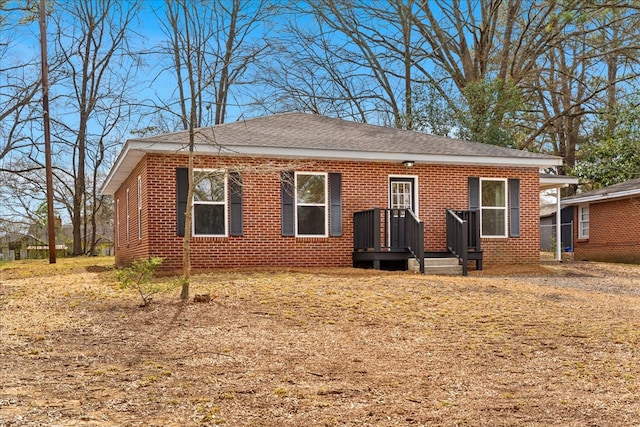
(614, 232)
(364, 186)
(135, 247)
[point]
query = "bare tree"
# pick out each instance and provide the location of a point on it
(487, 48)
(580, 80)
(210, 51)
(92, 42)
(19, 81)
(225, 47)
(351, 59)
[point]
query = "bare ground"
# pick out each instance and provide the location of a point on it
(557, 344)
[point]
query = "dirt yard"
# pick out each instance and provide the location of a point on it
(551, 345)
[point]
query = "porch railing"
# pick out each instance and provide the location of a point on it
(463, 235)
(381, 229)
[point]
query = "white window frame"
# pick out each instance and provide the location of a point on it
(139, 207)
(505, 209)
(583, 232)
(325, 204)
(126, 208)
(224, 203)
(118, 222)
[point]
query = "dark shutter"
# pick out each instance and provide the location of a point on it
(235, 201)
(286, 194)
(335, 204)
(182, 192)
(474, 192)
(514, 207)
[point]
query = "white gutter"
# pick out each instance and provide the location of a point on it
(603, 197)
(559, 227)
(133, 151)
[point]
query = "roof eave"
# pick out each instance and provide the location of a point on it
(133, 151)
(124, 164)
(602, 197)
(557, 181)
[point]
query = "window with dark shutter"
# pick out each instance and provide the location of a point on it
(182, 192)
(474, 192)
(235, 201)
(287, 205)
(514, 207)
(335, 204)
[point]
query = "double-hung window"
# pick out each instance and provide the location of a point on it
(583, 222)
(493, 207)
(139, 207)
(118, 222)
(209, 203)
(311, 204)
(126, 208)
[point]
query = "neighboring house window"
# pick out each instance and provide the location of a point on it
(311, 204)
(493, 207)
(126, 208)
(118, 222)
(139, 207)
(583, 222)
(209, 203)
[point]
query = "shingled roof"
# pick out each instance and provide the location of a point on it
(301, 135)
(625, 189)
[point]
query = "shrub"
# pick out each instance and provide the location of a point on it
(138, 277)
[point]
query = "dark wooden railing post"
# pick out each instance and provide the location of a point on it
(464, 242)
(372, 231)
(458, 236)
(376, 229)
(420, 247)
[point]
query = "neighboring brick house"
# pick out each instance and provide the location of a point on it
(607, 223)
(298, 189)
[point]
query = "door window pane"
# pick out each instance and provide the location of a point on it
(401, 194)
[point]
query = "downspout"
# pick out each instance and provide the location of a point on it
(558, 226)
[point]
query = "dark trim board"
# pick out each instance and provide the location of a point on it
(382, 260)
(397, 260)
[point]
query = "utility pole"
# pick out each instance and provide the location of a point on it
(47, 132)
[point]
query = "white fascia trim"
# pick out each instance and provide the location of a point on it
(319, 154)
(602, 197)
(563, 181)
(133, 151)
(120, 171)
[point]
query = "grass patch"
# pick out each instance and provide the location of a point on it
(42, 268)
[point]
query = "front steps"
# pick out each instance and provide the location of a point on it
(446, 266)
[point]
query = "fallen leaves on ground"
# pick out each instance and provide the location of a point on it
(555, 344)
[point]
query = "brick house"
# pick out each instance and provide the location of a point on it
(607, 223)
(297, 189)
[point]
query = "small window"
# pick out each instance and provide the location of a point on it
(209, 203)
(493, 207)
(583, 222)
(139, 208)
(311, 204)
